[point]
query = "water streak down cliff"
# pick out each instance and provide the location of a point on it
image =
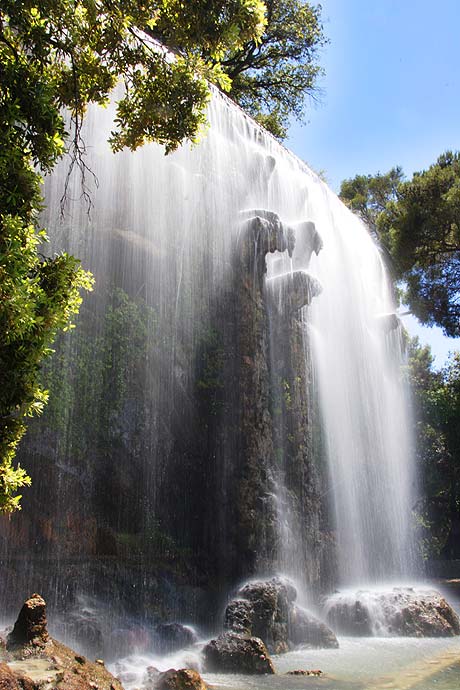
(231, 349)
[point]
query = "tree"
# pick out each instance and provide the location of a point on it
(69, 53)
(418, 222)
(270, 79)
(437, 407)
(368, 195)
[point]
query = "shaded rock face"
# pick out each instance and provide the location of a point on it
(267, 610)
(31, 625)
(183, 679)
(170, 637)
(400, 612)
(233, 653)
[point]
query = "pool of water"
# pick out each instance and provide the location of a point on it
(359, 664)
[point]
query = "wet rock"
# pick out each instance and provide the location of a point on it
(302, 672)
(233, 653)
(183, 679)
(271, 602)
(238, 616)
(31, 625)
(266, 609)
(290, 292)
(306, 629)
(402, 611)
(170, 637)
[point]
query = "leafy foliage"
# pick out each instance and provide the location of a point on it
(418, 222)
(68, 53)
(271, 78)
(368, 195)
(437, 402)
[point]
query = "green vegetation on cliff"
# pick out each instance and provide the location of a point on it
(63, 53)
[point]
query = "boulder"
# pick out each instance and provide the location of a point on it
(305, 629)
(266, 609)
(402, 611)
(170, 637)
(31, 625)
(233, 653)
(183, 679)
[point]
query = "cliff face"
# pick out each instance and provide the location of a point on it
(177, 455)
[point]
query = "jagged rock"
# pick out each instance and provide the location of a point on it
(305, 629)
(263, 233)
(233, 653)
(238, 616)
(290, 292)
(171, 637)
(270, 601)
(183, 679)
(266, 609)
(31, 625)
(402, 611)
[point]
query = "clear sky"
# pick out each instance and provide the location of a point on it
(391, 96)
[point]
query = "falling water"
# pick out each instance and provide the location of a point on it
(181, 449)
(357, 349)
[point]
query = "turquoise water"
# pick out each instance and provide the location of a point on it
(359, 664)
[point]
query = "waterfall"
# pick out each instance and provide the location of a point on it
(231, 397)
(358, 354)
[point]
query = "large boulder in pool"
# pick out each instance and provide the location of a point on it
(234, 653)
(266, 609)
(268, 606)
(401, 611)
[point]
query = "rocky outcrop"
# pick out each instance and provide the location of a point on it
(183, 679)
(266, 610)
(234, 653)
(263, 233)
(31, 650)
(265, 614)
(400, 612)
(31, 625)
(290, 292)
(170, 637)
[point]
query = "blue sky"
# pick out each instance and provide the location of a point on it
(391, 96)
